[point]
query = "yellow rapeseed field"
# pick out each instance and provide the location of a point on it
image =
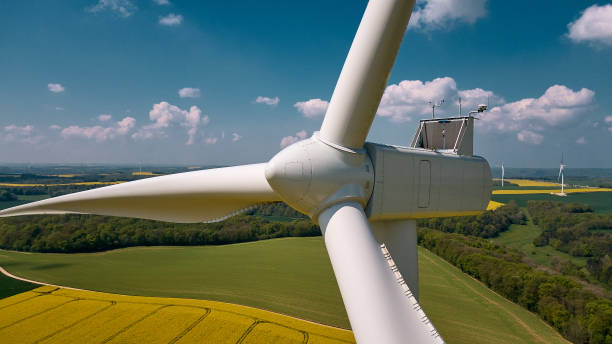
(527, 182)
(521, 192)
(494, 205)
(57, 315)
(145, 174)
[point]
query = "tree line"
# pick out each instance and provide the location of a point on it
(486, 225)
(73, 233)
(578, 314)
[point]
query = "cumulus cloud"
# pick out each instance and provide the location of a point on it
(267, 100)
(559, 105)
(236, 137)
(56, 88)
(608, 121)
(312, 108)
(98, 132)
(171, 20)
(104, 117)
(189, 92)
(411, 98)
(123, 8)
(55, 127)
(594, 26)
(440, 14)
(164, 115)
(289, 140)
(581, 140)
(529, 136)
(23, 134)
(211, 140)
(162, 2)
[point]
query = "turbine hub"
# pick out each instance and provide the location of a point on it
(312, 175)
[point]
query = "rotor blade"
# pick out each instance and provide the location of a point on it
(198, 196)
(378, 308)
(365, 73)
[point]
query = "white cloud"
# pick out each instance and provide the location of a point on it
(312, 108)
(593, 26)
(165, 114)
(59, 108)
(581, 140)
(440, 14)
(608, 120)
(55, 127)
(24, 134)
(171, 20)
(411, 98)
(268, 101)
(235, 137)
(56, 88)
(100, 133)
(104, 117)
(124, 8)
(189, 92)
(289, 140)
(529, 137)
(559, 105)
(162, 2)
(211, 140)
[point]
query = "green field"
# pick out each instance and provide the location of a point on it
(521, 237)
(291, 276)
(600, 201)
(9, 286)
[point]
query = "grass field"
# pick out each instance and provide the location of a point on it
(9, 286)
(291, 276)
(521, 237)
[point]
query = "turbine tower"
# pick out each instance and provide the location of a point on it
(502, 175)
(561, 167)
(364, 196)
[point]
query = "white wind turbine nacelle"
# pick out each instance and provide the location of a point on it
(362, 195)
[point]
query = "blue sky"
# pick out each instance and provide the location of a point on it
(87, 81)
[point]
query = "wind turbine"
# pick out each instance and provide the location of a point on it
(561, 167)
(502, 175)
(364, 196)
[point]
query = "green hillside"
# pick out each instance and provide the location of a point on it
(291, 276)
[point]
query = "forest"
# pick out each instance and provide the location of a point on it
(578, 314)
(574, 229)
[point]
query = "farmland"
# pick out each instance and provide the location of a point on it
(56, 315)
(291, 276)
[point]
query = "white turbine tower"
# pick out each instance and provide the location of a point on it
(502, 175)
(365, 196)
(561, 167)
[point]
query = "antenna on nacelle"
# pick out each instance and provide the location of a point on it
(434, 106)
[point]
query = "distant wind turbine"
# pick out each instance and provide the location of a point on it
(561, 167)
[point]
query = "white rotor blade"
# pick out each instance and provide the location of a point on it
(365, 73)
(188, 197)
(378, 308)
